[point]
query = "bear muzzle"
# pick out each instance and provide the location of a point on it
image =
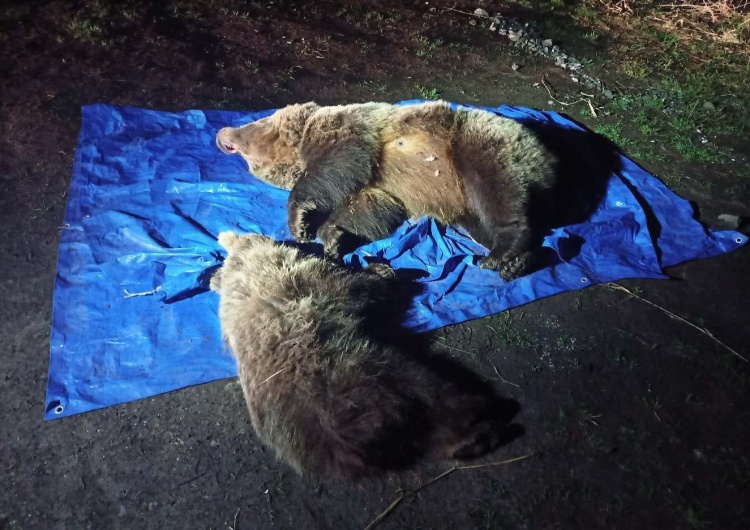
(224, 142)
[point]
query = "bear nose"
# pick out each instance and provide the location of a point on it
(224, 143)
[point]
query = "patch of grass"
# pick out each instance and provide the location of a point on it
(374, 87)
(86, 30)
(693, 151)
(425, 92)
(427, 46)
(393, 18)
(591, 36)
(252, 66)
(635, 69)
(692, 517)
(510, 332)
(586, 417)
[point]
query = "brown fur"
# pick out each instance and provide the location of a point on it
(468, 166)
(329, 396)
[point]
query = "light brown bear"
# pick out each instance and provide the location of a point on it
(328, 395)
(356, 172)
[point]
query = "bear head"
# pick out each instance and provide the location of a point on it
(270, 146)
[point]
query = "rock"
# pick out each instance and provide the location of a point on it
(515, 67)
(547, 42)
(492, 27)
(481, 12)
(472, 22)
(707, 105)
(730, 221)
(574, 79)
(512, 35)
(608, 94)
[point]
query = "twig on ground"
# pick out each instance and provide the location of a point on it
(619, 287)
(234, 525)
(582, 100)
(618, 7)
(463, 12)
(454, 348)
(444, 474)
(501, 377)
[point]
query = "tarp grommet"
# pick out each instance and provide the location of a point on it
(584, 280)
(59, 409)
(739, 240)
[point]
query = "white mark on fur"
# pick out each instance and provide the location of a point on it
(271, 377)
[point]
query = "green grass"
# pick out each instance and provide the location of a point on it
(374, 87)
(86, 30)
(427, 46)
(425, 92)
(252, 66)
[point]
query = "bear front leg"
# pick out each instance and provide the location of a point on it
(369, 215)
(337, 162)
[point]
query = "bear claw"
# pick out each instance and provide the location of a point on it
(510, 267)
(300, 227)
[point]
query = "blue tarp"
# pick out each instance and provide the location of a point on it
(150, 192)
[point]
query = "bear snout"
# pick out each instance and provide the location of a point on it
(224, 142)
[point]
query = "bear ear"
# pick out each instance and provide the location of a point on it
(228, 240)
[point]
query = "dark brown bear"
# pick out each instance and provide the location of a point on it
(356, 172)
(330, 396)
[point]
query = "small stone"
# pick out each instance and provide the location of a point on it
(547, 42)
(515, 67)
(574, 79)
(513, 36)
(437, 172)
(707, 105)
(430, 158)
(472, 22)
(555, 49)
(493, 27)
(481, 12)
(502, 31)
(608, 94)
(730, 221)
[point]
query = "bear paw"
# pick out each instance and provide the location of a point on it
(331, 237)
(510, 266)
(300, 221)
(381, 269)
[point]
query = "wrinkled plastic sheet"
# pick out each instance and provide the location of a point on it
(150, 192)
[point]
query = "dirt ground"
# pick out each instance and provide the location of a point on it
(634, 419)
